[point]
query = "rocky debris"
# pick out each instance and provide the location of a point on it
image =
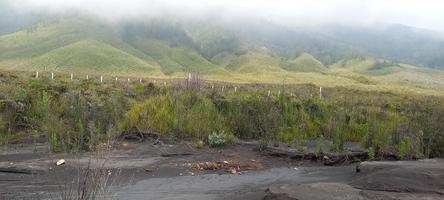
(130, 94)
(348, 156)
(147, 169)
(60, 162)
(208, 165)
(424, 176)
(106, 146)
(228, 166)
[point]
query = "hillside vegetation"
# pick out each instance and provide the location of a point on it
(81, 115)
(169, 48)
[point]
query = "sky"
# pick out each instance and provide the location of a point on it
(418, 13)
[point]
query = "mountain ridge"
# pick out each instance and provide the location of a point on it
(175, 48)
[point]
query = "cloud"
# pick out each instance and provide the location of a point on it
(421, 13)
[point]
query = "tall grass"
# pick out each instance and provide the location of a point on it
(79, 116)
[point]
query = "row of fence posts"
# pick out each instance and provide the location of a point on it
(87, 78)
(141, 81)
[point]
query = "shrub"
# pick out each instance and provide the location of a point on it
(230, 139)
(198, 116)
(292, 134)
(371, 153)
(255, 117)
(156, 114)
(320, 146)
(200, 144)
(410, 148)
(217, 139)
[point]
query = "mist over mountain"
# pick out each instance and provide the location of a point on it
(207, 42)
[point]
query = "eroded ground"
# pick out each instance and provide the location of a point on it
(156, 169)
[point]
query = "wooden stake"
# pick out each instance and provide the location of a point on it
(36, 74)
(52, 75)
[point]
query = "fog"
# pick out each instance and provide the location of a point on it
(418, 13)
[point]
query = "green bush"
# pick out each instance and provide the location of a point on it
(199, 116)
(217, 139)
(371, 153)
(200, 144)
(320, 146)
(156, 114)
(410, 148)
(253, 117)
(230, 139)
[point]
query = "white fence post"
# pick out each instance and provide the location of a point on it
(37, 74)
(320, 92)
(72, 76)
(269, 92)
(101, 79)
(235, 89)
(87, 77)
(52, 75)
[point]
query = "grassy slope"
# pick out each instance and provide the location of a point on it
(75, 46)
(391, 76)
(305, 63)
(30, 43)
(92, 56)
(175, 60)
(256, 63)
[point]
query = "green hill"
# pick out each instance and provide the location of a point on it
(174, 59)
(370, 66)
(305, 63)
(172, 48)
(92, 56)
(255, 62)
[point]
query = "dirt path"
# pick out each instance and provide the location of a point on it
(251, 185)
(176, 171)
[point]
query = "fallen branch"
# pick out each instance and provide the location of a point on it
(176, 154)
(327, 158)
(15, 170)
